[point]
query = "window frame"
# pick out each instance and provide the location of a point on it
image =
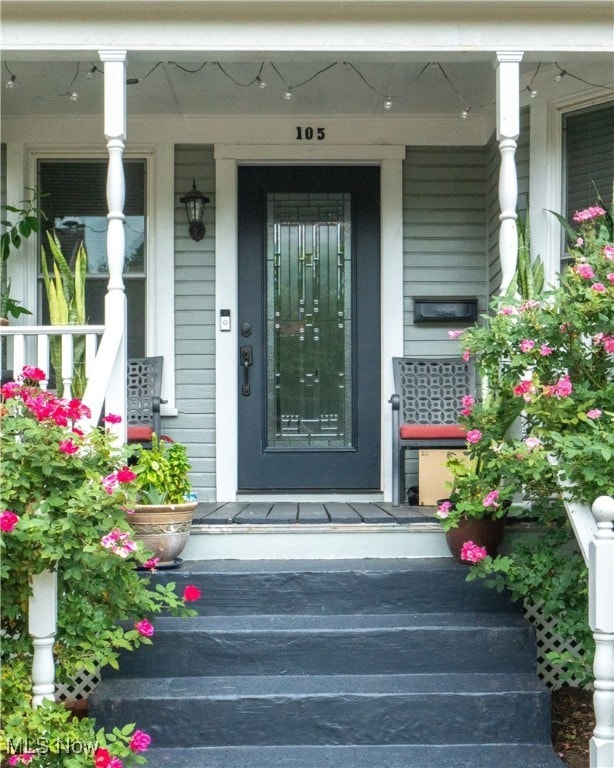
(159, 247)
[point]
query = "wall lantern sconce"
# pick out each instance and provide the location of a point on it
(195, 202)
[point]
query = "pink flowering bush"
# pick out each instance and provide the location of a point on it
(551, 358)
(64, 496)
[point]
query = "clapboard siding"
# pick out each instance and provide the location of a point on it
(444, 236)
(195, 322)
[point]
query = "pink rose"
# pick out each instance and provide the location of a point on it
(507, 311)
(151, 563)
(454, 335)
(545, 350)
(563, 387)
(490, 500)
(474, 436)
(112, 418)
(599, 287)
(68, 447)
(532, 442)
(8, 521)
(22, 759)
(608, 344)
(610, 277)
(33, 374)
(443, 510)
(585, 271)
(588, 213)
(526, 345)
(125, 475)
(472, 553)
(140, 741)
(594, 413)
(608, 252)
(466, 355)
(143, 627)
(191, 593)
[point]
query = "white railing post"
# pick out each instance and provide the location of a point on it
(115, 300)
(42, 621)
(601, 621)
(508, 130)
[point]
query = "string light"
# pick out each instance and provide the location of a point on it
(259, 81)
(72, 95)
(529, 88)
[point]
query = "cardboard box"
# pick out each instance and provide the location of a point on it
(433, 475)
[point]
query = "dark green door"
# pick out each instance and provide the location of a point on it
(309, 317)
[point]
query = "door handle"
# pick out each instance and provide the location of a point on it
(247, 359)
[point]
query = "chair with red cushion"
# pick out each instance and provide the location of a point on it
(144, 388)
(425, 408)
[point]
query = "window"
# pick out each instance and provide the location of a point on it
(589, 156)
(76, 208)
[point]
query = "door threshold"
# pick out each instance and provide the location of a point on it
(316, 496)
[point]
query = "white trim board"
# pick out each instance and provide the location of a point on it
(228, 158)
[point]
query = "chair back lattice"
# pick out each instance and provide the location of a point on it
(144, 388)
(431, 388)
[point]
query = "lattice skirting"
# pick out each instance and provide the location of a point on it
(548, 640)
(80, 688)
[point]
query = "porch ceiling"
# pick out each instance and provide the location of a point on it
(321, 85)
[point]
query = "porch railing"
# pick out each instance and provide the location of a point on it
(594, 529)
(31, 345)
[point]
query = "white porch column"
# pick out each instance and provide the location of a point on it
(601, 621)
(508, 130)
(42, 620)
(115, 300)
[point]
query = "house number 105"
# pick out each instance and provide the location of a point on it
(308, 133)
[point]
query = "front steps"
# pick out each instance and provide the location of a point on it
(309, 664)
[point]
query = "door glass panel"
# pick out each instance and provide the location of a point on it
(309, 344)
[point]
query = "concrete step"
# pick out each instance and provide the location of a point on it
(335, 644)
(390, 756)
(250, 587)
(330, 710)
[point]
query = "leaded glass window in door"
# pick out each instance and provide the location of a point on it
(309, 323)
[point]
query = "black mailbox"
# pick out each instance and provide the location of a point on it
(445, 310)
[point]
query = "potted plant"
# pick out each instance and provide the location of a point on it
(162, 517)
(66, 297)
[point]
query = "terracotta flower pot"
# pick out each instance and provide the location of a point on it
(163, 528)
(485, 532)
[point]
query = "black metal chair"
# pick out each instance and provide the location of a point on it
(144, 387)
(425, 408)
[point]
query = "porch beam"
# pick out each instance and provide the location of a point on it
(508, 130)
(114, 63)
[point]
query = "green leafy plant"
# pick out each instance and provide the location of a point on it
(66, 495)
(162, 472)
(66, 299)
(29, 215)
(551, 357)
(528, 280)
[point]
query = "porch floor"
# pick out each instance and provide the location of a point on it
(310, 513)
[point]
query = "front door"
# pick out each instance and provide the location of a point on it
(309, 335)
